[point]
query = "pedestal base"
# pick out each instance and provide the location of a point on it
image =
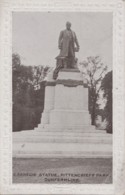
(66, 101)
(65, 130)
(66, 144)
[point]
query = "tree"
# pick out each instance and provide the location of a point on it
(22, 80)
(28, 100)
(106, 86)
(16, 62)
(25, 80)
(93, 71)
(39, 73)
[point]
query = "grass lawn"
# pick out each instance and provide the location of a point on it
(57, 170)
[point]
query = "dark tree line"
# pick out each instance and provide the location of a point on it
(99, 81)
(106, 86)
(28, 94)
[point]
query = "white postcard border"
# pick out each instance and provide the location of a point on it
(6, 9)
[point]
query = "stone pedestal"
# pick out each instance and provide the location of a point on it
(65, 130)
(66, 102)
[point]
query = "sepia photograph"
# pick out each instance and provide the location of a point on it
(62, 89)
(62, 113)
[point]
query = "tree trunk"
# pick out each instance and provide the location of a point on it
(93, 113)
(92, 105)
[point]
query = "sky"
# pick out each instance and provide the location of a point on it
(35, 35)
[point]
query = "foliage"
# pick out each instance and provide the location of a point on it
(93, 71)
(15, 60)
(106, 86)
(28, 93)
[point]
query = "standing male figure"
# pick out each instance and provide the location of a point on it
(68, 45)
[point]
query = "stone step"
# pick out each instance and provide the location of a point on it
(65, 128)
(59, 134)
(61, 150)
(74, 130)
(64, 139)
(63, 136)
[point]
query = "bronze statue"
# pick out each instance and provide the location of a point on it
(68, 45)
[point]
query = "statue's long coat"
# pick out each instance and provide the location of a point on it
(64, 43)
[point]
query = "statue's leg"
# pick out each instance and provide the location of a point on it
(72, 61)
(65, 62)
(59, 65)
(71, 57)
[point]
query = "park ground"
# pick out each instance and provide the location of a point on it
(66, 170)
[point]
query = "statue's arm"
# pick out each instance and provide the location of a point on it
(60, 39)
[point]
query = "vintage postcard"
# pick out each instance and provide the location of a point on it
(62, 97)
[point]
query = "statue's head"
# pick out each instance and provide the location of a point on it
(68, 25)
